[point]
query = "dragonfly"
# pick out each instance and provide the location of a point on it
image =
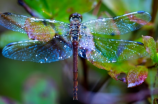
(52, 40)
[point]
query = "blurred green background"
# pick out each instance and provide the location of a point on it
(14, 75)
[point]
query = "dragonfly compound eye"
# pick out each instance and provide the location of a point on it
(75, 16)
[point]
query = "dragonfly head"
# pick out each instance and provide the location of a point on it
(75, 17)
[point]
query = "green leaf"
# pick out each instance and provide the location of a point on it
(114, 5)
(150, 46)
(11, 36)
(88, 16)
(120, 7)
(60, 9)
(152, 81)
(40, 89)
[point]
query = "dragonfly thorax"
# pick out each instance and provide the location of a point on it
(75, 22)
(74, 31)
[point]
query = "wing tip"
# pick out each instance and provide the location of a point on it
(4, 52)
(140, 43)
(7, 13)
(145, 13)
(140, 12)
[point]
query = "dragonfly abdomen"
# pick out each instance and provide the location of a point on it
(75, 23)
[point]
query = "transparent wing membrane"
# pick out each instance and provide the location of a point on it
(37, 29)
(38, 51)
(111, 50)
(95, 47)
(117, 25)
(13, 22)
(52, 39)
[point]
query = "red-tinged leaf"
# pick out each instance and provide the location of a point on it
(118, 69)
(129, 74)
(136, 76)
(150, 46)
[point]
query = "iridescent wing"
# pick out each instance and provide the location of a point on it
(36, 29)
(104, 50)
(38, 51)
(117, 25)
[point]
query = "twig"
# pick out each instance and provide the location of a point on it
(27, 8)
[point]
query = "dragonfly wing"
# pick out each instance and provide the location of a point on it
(38, 51)
(118, 25)
(102, 50)
(36, 29)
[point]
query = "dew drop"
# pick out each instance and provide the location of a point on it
(46, 59)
